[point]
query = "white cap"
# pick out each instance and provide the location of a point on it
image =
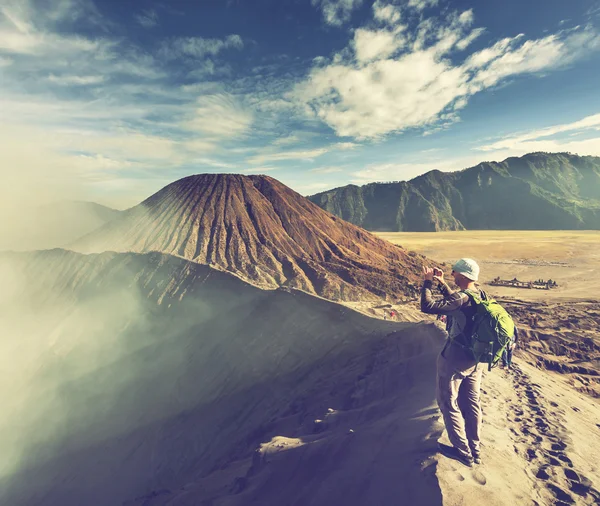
(468, 268)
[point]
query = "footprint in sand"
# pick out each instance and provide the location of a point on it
(459, 476)
(479, 477)
(531, 454)
(560, 494)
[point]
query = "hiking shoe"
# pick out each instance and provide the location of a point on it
(476, 458)
(453, 453)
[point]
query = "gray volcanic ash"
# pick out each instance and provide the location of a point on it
(264, 232)
(131, 373)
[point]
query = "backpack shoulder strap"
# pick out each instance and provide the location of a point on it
(473, 296)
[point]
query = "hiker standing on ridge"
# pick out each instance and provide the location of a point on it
(458, 377)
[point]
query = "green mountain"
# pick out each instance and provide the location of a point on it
(538, 191)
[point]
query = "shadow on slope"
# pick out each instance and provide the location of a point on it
(147, 372)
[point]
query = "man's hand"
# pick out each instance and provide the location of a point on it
(438, 274)
(427, 273)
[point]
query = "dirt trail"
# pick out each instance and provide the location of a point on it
(540, 445)
(540, 430)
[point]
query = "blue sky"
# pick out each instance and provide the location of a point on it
(110, 100)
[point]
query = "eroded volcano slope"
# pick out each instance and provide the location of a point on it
(264, 232)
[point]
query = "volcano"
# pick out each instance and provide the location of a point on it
(264, 232)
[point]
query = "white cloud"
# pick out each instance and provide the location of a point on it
(386, 172)
(259, 170)
(148, 18)
(270, 154)
(345, 145)
(285, 141)
(326, 170)
(551, 139)
(92, 163)
(466, 42)
(391, 79)
(216, 163)
(220, 115)
(75, 80)
(551, 52)
(386, 13)
(27, 28)
(370, 45)
(88, 126)
(307, 154)
(196, 146)
(198, 47)
(420, 5)
(337, 12)
(309, 188)
(35, 43)
(131, 145)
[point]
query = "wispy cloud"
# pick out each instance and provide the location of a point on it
(220, 115)
(337, 12)
(198, 47)
(556, 138)
(216, 163)
(258, 170)
(391, 78)
(346, 145)
(387, 172)
(386, 13)
(70, 80)
(307, 154)
(309, 188)
(273, 154)
(148, 18)
(326, 170)
(420, 5)
(287, 140)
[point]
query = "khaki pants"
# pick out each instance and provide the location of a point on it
(458, 387)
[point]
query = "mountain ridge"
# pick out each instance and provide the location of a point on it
(536, 191)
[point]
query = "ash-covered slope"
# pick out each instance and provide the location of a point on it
(134, 374)
(266, 233)
(539, 191)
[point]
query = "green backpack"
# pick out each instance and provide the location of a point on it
(492, 330)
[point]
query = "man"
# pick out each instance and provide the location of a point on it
(458, 377)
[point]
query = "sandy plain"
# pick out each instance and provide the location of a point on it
(561, 326)
(572, 258)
